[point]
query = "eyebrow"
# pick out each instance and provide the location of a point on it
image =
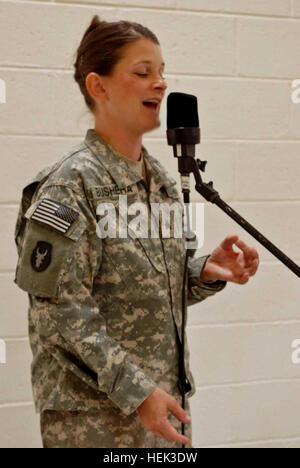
(148, 61)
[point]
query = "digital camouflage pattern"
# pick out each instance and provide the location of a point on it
(105, 428)
(103, 314)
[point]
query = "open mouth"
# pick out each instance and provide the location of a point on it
(150, 105)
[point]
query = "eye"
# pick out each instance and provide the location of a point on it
(143, 74)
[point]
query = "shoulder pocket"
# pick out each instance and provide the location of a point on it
(44, 255)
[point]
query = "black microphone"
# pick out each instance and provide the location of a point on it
(183, 131)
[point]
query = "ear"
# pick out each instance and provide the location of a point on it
(95, 85)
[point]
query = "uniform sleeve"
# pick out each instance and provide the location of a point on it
(58, 268)
(199, 290)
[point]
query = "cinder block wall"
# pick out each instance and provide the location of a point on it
(239, 57)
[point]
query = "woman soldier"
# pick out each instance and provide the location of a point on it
(105, 312)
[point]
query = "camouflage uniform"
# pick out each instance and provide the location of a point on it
(104, 314)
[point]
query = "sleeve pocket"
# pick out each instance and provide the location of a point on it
(45, 255)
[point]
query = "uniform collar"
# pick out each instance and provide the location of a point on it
(119, 170)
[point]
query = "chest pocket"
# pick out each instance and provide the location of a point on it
(133, 258)
(44, 255)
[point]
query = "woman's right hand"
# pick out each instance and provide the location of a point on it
(154, 416)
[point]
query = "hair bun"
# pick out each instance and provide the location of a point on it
(93, 25)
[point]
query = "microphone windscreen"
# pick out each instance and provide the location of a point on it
(182, 110)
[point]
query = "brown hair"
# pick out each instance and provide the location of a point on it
(100, 49)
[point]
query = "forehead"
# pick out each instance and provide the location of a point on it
(143, 51)
(148, 62)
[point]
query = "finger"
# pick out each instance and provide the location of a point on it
(249, 252)
(251, 260)
(227, 243)
(239, 277)
(243, 278)
(224, 273)
(178, 412)
(168, 432)
(254, 267)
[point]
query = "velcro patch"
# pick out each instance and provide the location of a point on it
(54, 214)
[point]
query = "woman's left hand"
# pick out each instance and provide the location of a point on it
(228, 265)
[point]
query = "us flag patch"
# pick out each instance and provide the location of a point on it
(54, 214)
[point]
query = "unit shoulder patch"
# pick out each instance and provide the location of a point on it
(41, 256)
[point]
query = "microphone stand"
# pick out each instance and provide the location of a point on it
(186, 165)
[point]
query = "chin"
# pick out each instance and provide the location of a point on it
(150, 129)
(158, 124)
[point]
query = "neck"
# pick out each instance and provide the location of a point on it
(118, 138)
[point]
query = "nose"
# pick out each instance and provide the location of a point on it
(161, 84)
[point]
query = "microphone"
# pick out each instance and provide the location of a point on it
(183, 133)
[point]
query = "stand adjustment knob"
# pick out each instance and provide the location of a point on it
(210, 184)
(201, 165)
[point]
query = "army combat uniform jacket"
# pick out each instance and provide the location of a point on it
(104, 313)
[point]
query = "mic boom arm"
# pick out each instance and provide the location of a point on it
(188, 164)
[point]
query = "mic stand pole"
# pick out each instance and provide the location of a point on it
(183, 382)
